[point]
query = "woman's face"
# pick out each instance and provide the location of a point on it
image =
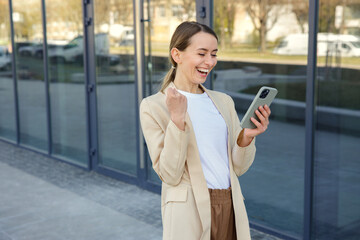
(198, 59)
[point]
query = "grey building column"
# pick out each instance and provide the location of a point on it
(310, 119)
(204, 15)
(139, 79)
(204, 12)
(13, 55)
(46, 78)
(90, 83)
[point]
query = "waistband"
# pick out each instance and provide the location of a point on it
(220, 196)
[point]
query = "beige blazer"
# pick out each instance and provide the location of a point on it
(185, 200)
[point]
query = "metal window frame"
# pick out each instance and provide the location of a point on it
(139, 24)
(91, 100)
(310, 118)
(204, 15)
(47, 153)
(138, 15)
(90, 83)
(46, 78)
(13, 59)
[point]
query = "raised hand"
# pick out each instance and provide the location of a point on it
(248, 134)
(177, 106)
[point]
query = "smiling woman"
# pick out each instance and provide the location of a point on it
(194, 48)
(196, 144)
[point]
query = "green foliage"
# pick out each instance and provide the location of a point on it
(224, 21)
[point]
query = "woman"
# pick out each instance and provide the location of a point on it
(196, 144)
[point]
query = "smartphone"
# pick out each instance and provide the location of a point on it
(264, 96)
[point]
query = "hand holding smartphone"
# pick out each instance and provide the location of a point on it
(264, 96)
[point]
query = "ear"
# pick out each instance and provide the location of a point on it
(176, 55)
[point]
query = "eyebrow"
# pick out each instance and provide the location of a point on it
(204, 49)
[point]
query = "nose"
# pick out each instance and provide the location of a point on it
(210, 60)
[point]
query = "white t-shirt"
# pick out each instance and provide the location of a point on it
(211, 137)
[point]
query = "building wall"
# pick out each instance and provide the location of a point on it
(77, 101)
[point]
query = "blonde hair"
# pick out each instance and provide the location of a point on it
(181, 40)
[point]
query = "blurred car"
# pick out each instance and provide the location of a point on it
(30, 50)
(328, 44)
(74, 49)
(5, 58)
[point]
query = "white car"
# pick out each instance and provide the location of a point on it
(30, 50)
(5, 58)
(74, 50)
(328, 43)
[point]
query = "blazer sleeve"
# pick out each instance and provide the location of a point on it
(167, 147)
(242, 157)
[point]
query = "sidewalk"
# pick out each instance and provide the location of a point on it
(44, 199)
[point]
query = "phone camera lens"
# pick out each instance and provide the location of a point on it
(264, 93)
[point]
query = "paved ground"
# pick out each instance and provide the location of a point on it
(44, 199)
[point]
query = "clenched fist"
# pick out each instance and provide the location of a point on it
(177, 106)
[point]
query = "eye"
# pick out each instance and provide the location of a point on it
(202, 54)
(213, 55)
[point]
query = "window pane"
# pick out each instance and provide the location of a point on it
(66, 76)
(30, 73)
(7, 116)
(114, 49)
(264, 43)
(165, 17)
(337, 169)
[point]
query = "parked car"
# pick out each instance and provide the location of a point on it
(5, 58)
(73, 50)
(328, 43)
(30, 50)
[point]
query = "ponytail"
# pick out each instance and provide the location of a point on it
(169, 77)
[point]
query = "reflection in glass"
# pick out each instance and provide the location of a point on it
(252, 38)
(164, 17)
(66, 75)
(7, 112)
(30, 73)
(337, 138)
(114, 49)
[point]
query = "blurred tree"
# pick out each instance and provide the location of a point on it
(28, 25)
(327, 15)
(301, 10)
(4, 20)
(224, 21)
(72, 14)
(189, 10)
(264, 14)
(124, 12)
(102, 13)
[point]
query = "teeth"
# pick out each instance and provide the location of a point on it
(204, 70)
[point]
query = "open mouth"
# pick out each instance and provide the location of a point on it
(203, 72)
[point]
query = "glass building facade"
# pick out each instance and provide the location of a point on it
(72, 75)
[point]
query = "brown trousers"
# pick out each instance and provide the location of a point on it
(222, 215)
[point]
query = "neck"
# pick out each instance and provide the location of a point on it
(187, 87)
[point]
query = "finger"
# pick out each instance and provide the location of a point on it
(264, 112)
(260, 128)
(267, 109)
(260, 116)
(256, 122)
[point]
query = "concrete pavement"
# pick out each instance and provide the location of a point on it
(45, 199)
